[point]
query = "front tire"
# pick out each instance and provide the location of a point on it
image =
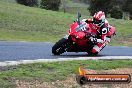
(59, 47)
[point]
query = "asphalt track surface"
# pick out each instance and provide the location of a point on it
(16, 51)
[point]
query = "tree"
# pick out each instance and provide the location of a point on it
(112, 7)
(30, 3)
(50, 4)
(116, 13)
(127, 7)
(103, 5)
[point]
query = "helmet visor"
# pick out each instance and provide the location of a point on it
(96, 21)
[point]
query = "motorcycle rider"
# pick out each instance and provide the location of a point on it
(101, 25)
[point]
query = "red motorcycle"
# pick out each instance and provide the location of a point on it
(78, 39)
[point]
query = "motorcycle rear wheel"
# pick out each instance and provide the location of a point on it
(92, 54)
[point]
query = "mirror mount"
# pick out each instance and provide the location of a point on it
(78, 17)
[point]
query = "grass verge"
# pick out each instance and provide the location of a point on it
(50, 72)
(22, 23)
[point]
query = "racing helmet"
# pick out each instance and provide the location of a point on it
(99, 18)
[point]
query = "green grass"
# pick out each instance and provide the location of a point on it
(19, 22)
(123, 31)
(49, 72)
(22, 23)
(37, 36)
(74, 10)
(9, 1)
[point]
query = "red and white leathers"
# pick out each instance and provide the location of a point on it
(101, 27)
(103, 37)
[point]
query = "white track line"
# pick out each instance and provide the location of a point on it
(9, 63)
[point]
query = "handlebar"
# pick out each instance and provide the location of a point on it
(78, 17)
(88, 35)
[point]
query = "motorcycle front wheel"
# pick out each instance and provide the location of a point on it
(60, 46)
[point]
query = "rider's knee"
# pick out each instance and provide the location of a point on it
(94, 51)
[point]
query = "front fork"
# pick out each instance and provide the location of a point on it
(69, 44)
(66, 36)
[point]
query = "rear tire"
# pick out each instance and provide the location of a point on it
(92, 54)
(59, 47)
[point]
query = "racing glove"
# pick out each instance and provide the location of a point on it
(94, 40)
